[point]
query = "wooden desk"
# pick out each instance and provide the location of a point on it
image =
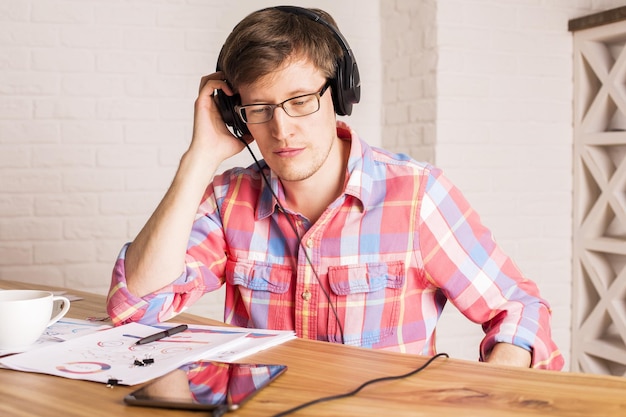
(448, 387)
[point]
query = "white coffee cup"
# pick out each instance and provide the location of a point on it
(25, 314)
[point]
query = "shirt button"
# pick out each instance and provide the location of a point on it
(309, 243)
(306, 296)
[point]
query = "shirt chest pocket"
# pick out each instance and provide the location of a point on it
(258, 276)
(261, 290)
(367, 298)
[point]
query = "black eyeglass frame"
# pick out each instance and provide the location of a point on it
(318, 95)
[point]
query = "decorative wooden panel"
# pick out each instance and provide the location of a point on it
(599, 256)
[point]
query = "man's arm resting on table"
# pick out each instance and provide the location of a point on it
(511, 355)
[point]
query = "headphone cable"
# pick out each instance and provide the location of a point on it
(360, 387)
(301, 245)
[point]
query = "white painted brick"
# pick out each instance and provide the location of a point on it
(94, 228)
(160, 87)
(170, 155)
(422, 110)
(66, 204)
(134, 203)
(127, 156)
(63, 156)
(157, 39)
(14, 10)
(456, 38)
(15, 205)
(29, 181)
(474, 133)
(62, 253)
(493, 15)
(54, 108)
(13, 253)
(196, 40)
(175, 110)
(411, 6)
(400, 69)
(15, 108)
(92, 276)
(15, 156)
(397, 114)
(37, 274)
(412, 88)
(95, 37)
(92, 85)
(21, 34)
(485, 63)
(185, 17)
(29, 83)
(30, 229)
(131, 62)
(390, 94)
(67, 12)
(186, 63)
(126, 15)
(128, 109)
(157, 133)
(546, 66)
(153, 180)
(14, 59)
(463, 85)
(134, 225)
(108, 250)
(85, 180)
(92, 132)
(63, 60)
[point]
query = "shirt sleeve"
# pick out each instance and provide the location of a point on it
(203, 272)
(463, 260)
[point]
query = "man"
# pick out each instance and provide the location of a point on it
(326, 236)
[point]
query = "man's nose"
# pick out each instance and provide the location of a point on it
(280, 123)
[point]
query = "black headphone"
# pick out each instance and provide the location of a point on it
(346, 86)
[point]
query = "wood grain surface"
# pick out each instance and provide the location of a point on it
(448, 387)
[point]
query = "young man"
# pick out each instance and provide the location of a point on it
(326, 236)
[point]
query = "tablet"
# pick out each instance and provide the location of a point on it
(206, 385)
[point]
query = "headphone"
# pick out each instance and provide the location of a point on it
(346, 86)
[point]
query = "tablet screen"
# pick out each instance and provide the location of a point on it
(206, 385)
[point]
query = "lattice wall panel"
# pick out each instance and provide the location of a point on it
(599, 319)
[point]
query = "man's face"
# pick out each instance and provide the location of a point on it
(295, 148)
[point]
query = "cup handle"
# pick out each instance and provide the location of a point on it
(64, 309)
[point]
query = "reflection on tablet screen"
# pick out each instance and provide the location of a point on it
(206, 385)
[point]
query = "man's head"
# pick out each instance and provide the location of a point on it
(267, 39)
(262, 41)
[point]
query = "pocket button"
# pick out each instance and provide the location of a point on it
(306, 296)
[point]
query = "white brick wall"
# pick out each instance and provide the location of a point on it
(504, 135)
(96, 106)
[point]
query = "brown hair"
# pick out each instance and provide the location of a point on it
(265, 39)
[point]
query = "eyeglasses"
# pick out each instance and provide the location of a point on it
(295, 107)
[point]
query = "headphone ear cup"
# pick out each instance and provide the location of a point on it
(346, 85)
(226, 106)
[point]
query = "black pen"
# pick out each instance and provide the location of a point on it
(161, 335)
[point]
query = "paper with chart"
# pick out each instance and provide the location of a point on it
(254, 340)
(62, 330)
(112, 354)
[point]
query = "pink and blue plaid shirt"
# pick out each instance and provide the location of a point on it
(385, 256)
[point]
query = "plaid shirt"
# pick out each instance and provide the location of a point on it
(375, 270)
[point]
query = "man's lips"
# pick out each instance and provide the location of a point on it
(288, 152)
